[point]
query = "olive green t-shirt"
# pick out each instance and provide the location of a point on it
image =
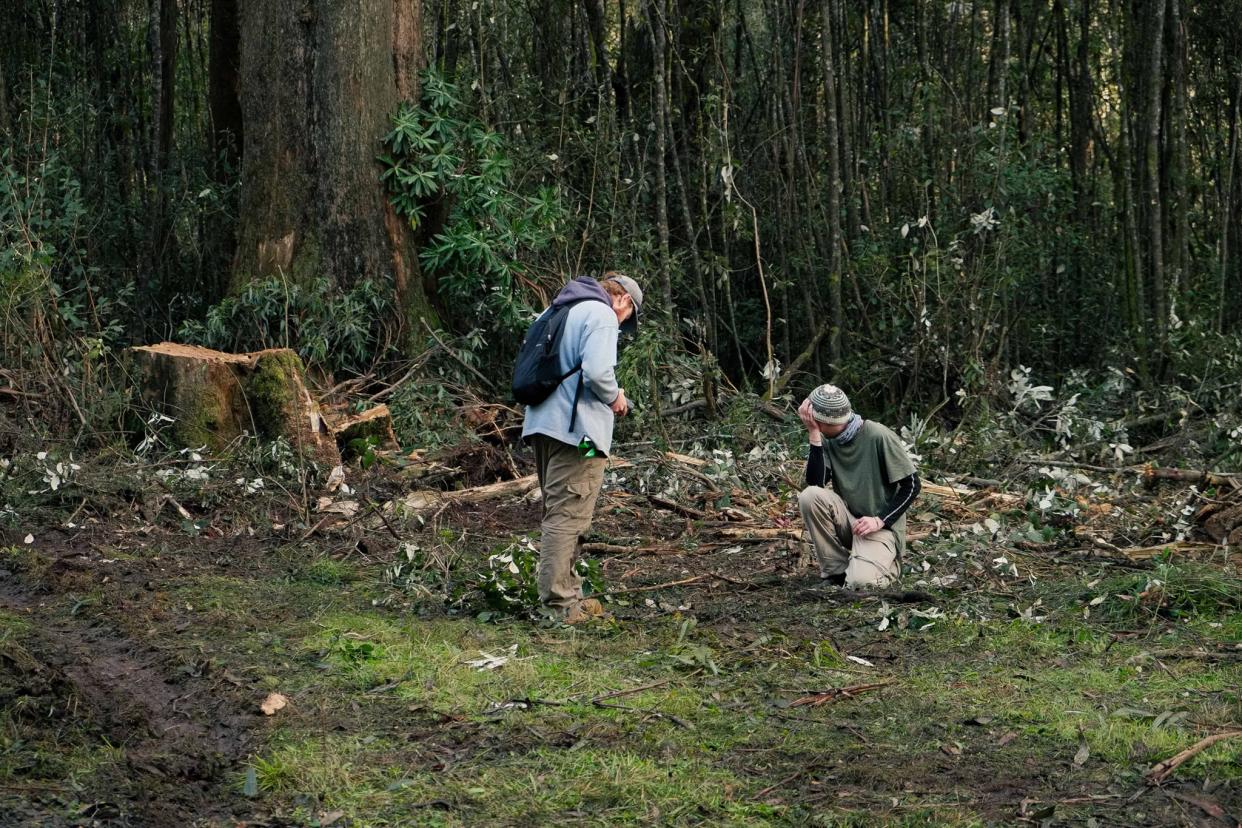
(865, 472)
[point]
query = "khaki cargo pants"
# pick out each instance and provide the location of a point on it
(869, 561)
(570, 484)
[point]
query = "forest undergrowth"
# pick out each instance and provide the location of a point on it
(216, 640)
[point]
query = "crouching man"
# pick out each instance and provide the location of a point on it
(858, 527)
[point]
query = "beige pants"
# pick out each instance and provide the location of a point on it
(570, 484)
(869, 561)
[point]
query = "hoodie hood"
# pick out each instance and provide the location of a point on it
(584, 287)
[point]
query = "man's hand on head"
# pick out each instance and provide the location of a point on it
(808, 419)
(867, 525)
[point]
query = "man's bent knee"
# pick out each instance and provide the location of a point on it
(865, 574)
(810, 496)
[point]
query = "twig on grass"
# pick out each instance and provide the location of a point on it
(836, 693)
(652, 587)
(782, 783)
(659, 714)
(896, 596)
(1161, 770)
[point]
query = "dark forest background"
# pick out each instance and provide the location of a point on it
(935, 204)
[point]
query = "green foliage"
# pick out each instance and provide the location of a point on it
(453, 178)
(1179, 590)
(509, 585)
(45, 265)
(506, 583)
(329, 329)
(357, 654)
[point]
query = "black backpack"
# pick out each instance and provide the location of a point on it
(537, 370)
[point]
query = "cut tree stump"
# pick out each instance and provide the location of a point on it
(373, 423)
(214, 397)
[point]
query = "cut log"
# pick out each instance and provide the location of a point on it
(759, 532)
(372, 424)
(1224, 524)
(426, 500)
(214, 397)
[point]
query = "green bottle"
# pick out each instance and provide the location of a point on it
(586, 448)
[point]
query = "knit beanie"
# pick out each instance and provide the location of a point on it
(830, 406)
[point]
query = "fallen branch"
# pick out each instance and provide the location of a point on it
(1210, 478)
(652, 587)
(1144, 553)
(759, 532)
(688, 511)
(616, 694)
(698, 463)
(896, 596)
(682, 409)
(426, 499)
(1161, 770)
(824, 696)
(659, 714)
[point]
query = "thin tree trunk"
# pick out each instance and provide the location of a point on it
(833, 187)
(1153, 85)
(998, 58)
(1228, 206)
(1176, 194)
(655, 29)
(845, 111)
(1133, 270)
(596, 22)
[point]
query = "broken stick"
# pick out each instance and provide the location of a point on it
(817, 699)
(1161, 770)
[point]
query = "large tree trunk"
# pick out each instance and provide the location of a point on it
(318, 85)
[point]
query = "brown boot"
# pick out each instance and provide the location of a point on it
(587, 609)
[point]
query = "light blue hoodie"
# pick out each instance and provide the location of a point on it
(590, 336)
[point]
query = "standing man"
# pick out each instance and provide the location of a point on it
(858, 527)
(571, 430)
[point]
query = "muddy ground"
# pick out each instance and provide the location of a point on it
(137, 647)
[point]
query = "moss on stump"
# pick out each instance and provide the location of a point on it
(216, 397)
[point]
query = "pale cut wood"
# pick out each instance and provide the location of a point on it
(425, 500)
(374, 422)
(214, 397)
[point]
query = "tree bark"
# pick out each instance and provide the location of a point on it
(655, 29)
(833, 206)
(1153, 86)
(164, 69)
(998, 61)
(318, 85)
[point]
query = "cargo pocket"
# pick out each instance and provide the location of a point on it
(580, 503)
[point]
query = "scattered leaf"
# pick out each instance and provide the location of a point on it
(273, 702)
(858, 660)
(490, 661)
(1083, 754)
